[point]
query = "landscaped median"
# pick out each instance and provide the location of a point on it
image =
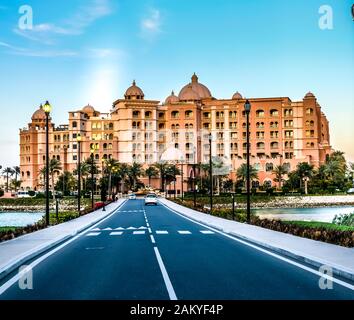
(16, 252)
(315, 253)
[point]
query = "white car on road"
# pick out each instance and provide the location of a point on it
(132, 196)
(151, 198)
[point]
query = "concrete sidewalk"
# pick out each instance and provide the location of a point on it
(15, 252)
(315, 253)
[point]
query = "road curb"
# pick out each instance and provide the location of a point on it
(337, 270)
(13, 264)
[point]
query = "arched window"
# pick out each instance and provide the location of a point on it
(274, 113)
(161, 126)
(309, 111)
(104, 146)
(110, 137)
(260, 113)
(136, 114)
(189, 114)
(274, 145)
(110, 126)
(233, 114)
(74, 124)
(175, 114)
(260, 145)
(255, 184)
(269, 167)
(267, 184)
(148, 114)
(97, 156)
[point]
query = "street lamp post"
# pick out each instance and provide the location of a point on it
(233, 205)
(47, 109)
(79, 175)
(103, 178)
(194, 179)
(92, 178)
(248, 110)
(211, 173)
(182, 179)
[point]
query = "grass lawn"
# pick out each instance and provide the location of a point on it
(325, 225)
(5, 229)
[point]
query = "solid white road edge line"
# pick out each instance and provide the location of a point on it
(166, 278)
(321, 275)
(16, 277)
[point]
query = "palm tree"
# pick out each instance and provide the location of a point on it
(86, 168)
(54, 167)
(161, 167)
(16, 184)
(9, 173)
(150, 172)
(16, 170)
(170, 174)
(66, 182)
(304, 171)
(111, 165)
(333, 169)
(279, 172)
(242, 173)
(135, 171)
(42, 173)
(121, 174)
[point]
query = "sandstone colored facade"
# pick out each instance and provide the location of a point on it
(140, 130)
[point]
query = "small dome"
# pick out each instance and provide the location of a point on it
(134, 92)
(39, 114)
(236, 96)
(172, 154)
(202, 91)
(310, 95)
(89, 109)
(172, 99)
(188, 94)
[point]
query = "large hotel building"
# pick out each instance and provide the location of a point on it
(140, 130)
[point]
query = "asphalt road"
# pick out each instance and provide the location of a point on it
(150, 253)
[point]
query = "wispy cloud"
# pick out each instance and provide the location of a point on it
(151, 25)
(37, 53)
(90, 53)
(75, 25)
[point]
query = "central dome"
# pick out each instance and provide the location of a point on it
(134, 92)
(194, 91)
(39, 114)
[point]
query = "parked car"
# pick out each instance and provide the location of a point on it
(350, 191)
(23, 194)
(132, 196)
(151, 198)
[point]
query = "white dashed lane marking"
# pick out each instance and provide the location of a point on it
(116, 233)
(161, 232)
(207, 232)
(139, 232)
(184, 232)
(93, 234)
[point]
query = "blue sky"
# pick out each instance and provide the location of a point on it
(89, 51)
